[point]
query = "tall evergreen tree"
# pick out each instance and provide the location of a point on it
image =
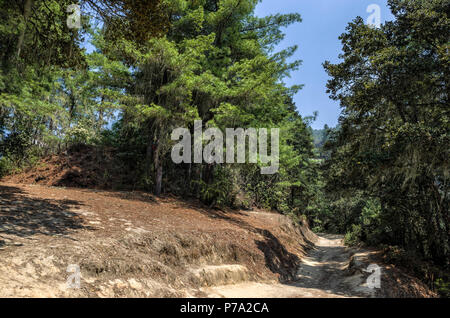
(393, 142)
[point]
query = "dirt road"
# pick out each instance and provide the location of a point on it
(131, 244)
(321, 274)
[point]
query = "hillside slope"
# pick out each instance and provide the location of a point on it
(160, 245)
(130, 244)
(80, 166)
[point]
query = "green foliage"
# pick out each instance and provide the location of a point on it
(392, 144)
(220, 192)
(443, 288)
(79, 134)
(136, 20)
(214, 66)
(214, 62)
(353, 236)
(6, 166)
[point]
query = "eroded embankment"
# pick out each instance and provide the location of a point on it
(134, 245)
(333, 270)
(131, 244)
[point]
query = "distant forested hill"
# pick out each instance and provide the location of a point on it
(320, 136)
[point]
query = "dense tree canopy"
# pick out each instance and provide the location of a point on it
(157, 66)
(393, 143)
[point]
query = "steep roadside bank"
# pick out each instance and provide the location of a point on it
(331, 270)
(130, 244)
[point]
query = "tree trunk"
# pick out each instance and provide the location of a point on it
(26, 16)
(189, 178)
(158, 171)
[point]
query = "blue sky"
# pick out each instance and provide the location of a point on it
(317, 38)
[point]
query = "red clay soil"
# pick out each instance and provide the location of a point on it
(80, 167)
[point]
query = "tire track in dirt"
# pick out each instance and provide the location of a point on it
(321, 274)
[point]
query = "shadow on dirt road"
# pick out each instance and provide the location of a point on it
(23, 217)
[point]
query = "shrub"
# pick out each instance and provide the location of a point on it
(5, 166)
(80, 134)
(354, 235)
(443, 288)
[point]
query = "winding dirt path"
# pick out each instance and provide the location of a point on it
(321, 274)
(129, 244)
